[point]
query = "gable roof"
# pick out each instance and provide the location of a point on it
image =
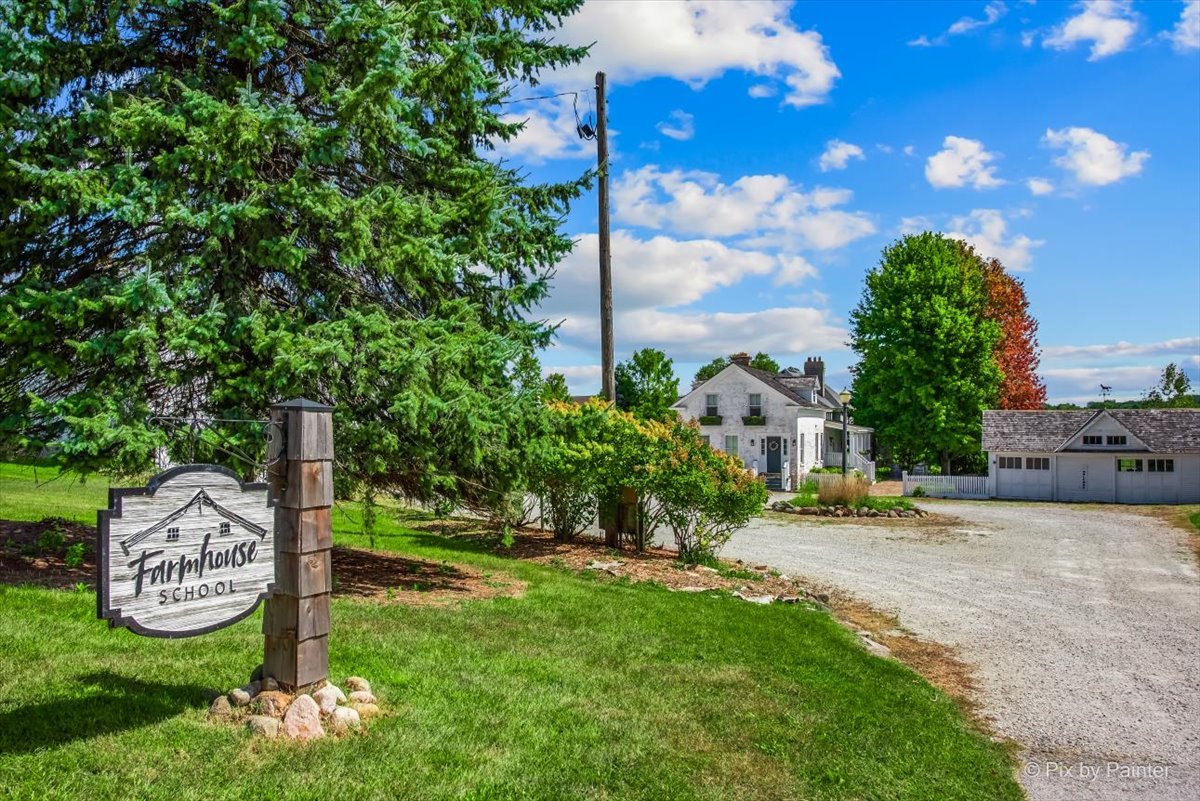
(201, 499)
(1163, 430)
(773, 381)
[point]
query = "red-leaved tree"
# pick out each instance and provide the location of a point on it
(1017, 352)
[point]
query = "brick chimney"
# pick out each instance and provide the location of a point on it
(815, 366)
(741, 358)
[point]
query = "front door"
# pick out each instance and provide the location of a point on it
(774, 456)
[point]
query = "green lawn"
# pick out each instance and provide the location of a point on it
(579, 689)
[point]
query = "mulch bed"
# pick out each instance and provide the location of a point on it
(24, 559)
(388, 578)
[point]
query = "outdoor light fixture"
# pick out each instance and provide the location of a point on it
(844, 396)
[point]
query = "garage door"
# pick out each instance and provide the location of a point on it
(1086, 478)
(1024, 477)
(1147, 480)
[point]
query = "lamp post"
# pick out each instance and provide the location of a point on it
(844, 397)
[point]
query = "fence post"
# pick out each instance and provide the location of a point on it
(296, 618)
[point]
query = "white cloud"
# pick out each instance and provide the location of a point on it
(915, 224)
(574, 373)
(885, 149)
(1180, 345)
(987, 231)
(910, 150)
(1108, 24)
(681, 126)
(698, 336)
(1186, 33)
(549, 133)
(793, 270)
(1039, 186)
(769, 210)
(991, 13)
(1082, 384)
(697, 42)
(960, 162)
(1092, 157)
(761, 90)
(838, 154)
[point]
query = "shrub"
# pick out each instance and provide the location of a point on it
(882, 473)
(844, 491)
(884, 503)
(50, 540)
(74, 557)
(918, 491)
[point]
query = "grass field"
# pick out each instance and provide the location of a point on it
(581, 688)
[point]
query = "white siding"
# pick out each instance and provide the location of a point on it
(1093, 477)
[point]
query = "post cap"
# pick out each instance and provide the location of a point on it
(302, 404)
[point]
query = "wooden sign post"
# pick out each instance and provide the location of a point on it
(296, 619)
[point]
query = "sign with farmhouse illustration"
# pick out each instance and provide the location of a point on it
(191, 552)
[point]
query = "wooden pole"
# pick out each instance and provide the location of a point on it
(608, 377)
(296, 618)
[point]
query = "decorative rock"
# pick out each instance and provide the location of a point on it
(269, 683)
(345, 718)
(609, 566)
(221, 709)
(327, 698)
(755, 599)
(254, 688)
(239, 697)
(706, 569)
(877, 648)
(366, 711)
(694, 589)
(272, 703)
(356, 683)
(263, 726)
(892, 513)
(362, 697)
(303, 719)
(789, 599)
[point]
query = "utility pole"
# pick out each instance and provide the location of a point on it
(608, 377)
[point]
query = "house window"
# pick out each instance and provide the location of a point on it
(172, 534)
(1010, 462)
(731, 445)
(762, 446)
(1118, 439)
(223, 528)
(712, 407)
(1092, 439)
(706, 439)
(755, 404)
(785, 439)
(1161, 465)
(1129, 465)
(1037, 463)
(801, 448)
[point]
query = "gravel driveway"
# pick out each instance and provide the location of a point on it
(1084, 626)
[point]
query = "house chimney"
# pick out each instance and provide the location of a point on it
(741, 358)
(815, 366)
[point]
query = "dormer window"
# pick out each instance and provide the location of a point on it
(712, 406)
(1093, 439)
(755, 404)
(1118, 439)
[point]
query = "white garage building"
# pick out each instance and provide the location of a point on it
(1105, 455)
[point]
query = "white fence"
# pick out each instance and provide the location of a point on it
(854, 461)
(946, 486)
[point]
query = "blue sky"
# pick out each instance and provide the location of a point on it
(764, 153)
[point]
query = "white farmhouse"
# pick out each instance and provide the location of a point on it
(780, 425)
(1106, 455)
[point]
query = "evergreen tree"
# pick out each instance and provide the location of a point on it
(926, 367)
(213, 206)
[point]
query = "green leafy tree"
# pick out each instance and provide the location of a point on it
(1173, 389)
(213, 206)
(926, 368)
(646, 385)
(761, 361)
(556, 389)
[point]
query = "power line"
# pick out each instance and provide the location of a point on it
(575, 92)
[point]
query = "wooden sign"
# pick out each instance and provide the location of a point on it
(191, 552)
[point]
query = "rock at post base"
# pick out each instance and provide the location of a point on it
(302, 721)
(263, 726)
(239, 697)
(272, 703)
(358, 684)
(327, 698)
(221, 709)
(345, 719)
(269, 684)
(362, 697)
(366, 711)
